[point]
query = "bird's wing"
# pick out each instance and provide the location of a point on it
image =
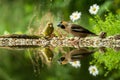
(77, 28)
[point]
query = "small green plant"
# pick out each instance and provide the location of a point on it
(111, 25)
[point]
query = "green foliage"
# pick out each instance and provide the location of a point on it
(110, 59)
(110, 24)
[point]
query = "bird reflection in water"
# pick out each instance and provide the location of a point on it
(75, 55)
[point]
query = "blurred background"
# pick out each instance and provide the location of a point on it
(24, 16)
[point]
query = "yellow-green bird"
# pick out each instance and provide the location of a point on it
(48, 30)
(48, 54)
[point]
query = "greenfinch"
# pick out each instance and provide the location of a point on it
(48, 30)
(47, 53)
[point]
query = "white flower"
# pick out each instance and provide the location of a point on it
(93, 70)
(75, 64)
(94, 9)
(75, 16)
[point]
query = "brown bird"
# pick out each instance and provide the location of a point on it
(75, 55)
(75, 29)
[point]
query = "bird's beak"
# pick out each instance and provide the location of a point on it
(61, 60)
(59, 25)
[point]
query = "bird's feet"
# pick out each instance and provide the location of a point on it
(74, 42)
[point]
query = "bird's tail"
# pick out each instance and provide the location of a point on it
(101, 35)
(93, 34)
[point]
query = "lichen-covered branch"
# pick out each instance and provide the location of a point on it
(29, 41)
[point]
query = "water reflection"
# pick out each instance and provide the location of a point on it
(68, 54)
(71, 49)
(75, 55)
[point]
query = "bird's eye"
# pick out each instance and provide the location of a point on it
(62, 58)
(62, 26)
